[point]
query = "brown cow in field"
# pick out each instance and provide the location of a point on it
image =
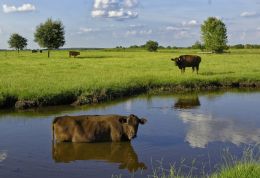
(187, 61)
(96, 128)
(74, 53)
(121, 153)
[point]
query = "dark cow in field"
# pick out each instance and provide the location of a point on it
(36, 51)
(121, 153)
(96, 128)
(187, 61)
(74, 53)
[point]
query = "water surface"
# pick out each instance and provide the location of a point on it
(189, 130)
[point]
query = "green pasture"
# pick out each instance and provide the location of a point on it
(33, 76)
(240, 170)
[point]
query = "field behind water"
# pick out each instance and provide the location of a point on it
(32, 76)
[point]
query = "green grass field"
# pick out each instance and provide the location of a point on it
(240, 170)
(60, 79)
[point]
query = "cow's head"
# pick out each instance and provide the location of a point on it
(130, 125)
(177, 60)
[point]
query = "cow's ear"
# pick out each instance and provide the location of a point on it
(132, 115)
(123, 120)
(142, 121)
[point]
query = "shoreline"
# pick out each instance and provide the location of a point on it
(105, 95)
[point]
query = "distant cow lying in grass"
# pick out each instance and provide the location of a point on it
(187, 61)
(96, 128)
(74, 53)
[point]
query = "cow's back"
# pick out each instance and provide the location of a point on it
(191, 59)
(86, 128)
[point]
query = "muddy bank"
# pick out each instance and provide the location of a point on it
(78, 99)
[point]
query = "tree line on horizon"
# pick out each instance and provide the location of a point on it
(51, 35)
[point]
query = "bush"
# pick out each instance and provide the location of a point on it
(151, 46)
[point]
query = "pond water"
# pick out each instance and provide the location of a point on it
(190, 131)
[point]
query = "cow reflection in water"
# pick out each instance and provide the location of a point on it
(122, 153)
(187, 102)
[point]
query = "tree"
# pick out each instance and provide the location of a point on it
(151, 46)
(50, 35)
(238, 46)
(214, 35)
(17, 41)
(197, 45)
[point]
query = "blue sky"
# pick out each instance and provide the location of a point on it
(110, 23)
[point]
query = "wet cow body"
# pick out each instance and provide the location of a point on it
(96, 128)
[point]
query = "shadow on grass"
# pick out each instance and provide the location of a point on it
(215, 73)
(93, 57)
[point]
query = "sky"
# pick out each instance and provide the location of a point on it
(110, 23)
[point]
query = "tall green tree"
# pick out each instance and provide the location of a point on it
(17, 41)
(151, 46)
(50, 35)
(214, 35)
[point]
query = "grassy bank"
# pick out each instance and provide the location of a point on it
(106, 74)
(248, 166)
(240, 170)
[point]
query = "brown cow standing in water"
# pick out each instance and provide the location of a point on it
(187, 61)
(96, 128)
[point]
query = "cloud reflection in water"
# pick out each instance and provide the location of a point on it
(204, 128)
(3, 155)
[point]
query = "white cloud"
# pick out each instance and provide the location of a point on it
(87, 30)
(131, 32)
(248, 14)
(183, 34)
(179, 32)
(137, 25)
(121, 13)
(131, 3)
(219, 17)
(139, 32)
(115, 9)
(243, 36)
(23, 8)
(98, 13)
(145, 32)
(258, 28)
(173, 28)
(183, 26)
(191, 23)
